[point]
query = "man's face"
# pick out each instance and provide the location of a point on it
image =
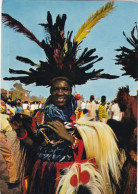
(60, 93)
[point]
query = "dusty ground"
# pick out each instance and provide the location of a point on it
(14, 142)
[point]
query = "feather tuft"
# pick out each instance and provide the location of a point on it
(93, 20)
(18, 27)
(100, 143)
(95, 184)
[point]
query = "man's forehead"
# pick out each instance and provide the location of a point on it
(61, 83)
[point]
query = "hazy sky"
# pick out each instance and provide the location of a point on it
(106, 36)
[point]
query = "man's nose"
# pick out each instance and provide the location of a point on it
(60, 91)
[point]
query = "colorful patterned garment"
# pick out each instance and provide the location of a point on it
(52, 159)
(61, 151)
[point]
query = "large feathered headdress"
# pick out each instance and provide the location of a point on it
(129, 57)
(61, 52)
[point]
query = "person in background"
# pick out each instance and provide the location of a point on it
(87, 104)
(5, 148)
(13, 105)
(19, 108)
(92, 108)
(102, 110)
(32, 108)
(108, 110)
(78, 98)
(116, 114)
(97, 112)
(9, 109)
(36, 105)
(83, 105)
(26, 108)
(40, 105)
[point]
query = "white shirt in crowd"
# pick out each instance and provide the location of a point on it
(83, 105)
(87, 105)
(36, 106)
(117, 114)
(24, 105)
(32, 107)
(8, 107)
(92, 109)
(40, 105)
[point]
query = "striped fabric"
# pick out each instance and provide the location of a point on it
(102, 112)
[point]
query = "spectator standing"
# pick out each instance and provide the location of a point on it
(102, 110)
(92, 108)
(5, 148)
(97, 111)
(13, 105)
(19, 108)
(26, 108)
(40, 105)
(83, 105)
(36, 105)
(116, 114)
(9, 109)
(25, 103)
(78, 97)
(87, 104)
(108, 110)
(32, 108)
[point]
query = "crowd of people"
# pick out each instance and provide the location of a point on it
(20, 106)
(100, 110)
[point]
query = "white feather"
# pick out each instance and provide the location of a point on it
(100, 143)
(95, 185)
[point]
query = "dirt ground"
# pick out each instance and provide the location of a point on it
(14, 142)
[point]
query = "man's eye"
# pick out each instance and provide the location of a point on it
(65, 89)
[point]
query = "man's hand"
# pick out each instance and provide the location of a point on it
(60, 130)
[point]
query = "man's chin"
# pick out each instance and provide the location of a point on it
(60, 104)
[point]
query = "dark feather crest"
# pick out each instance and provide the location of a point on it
(61, 54)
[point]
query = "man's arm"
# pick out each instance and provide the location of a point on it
(22, 133)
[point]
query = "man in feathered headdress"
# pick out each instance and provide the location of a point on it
(58, 144)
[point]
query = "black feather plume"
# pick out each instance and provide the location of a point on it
(129, 57)
(18, 27)
(61, 55)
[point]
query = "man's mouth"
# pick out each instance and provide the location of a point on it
(60, 99)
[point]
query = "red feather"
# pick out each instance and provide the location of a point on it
(18, 27)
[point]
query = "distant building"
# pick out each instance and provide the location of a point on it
(13, 94)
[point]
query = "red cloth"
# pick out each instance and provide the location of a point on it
(77, 158)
